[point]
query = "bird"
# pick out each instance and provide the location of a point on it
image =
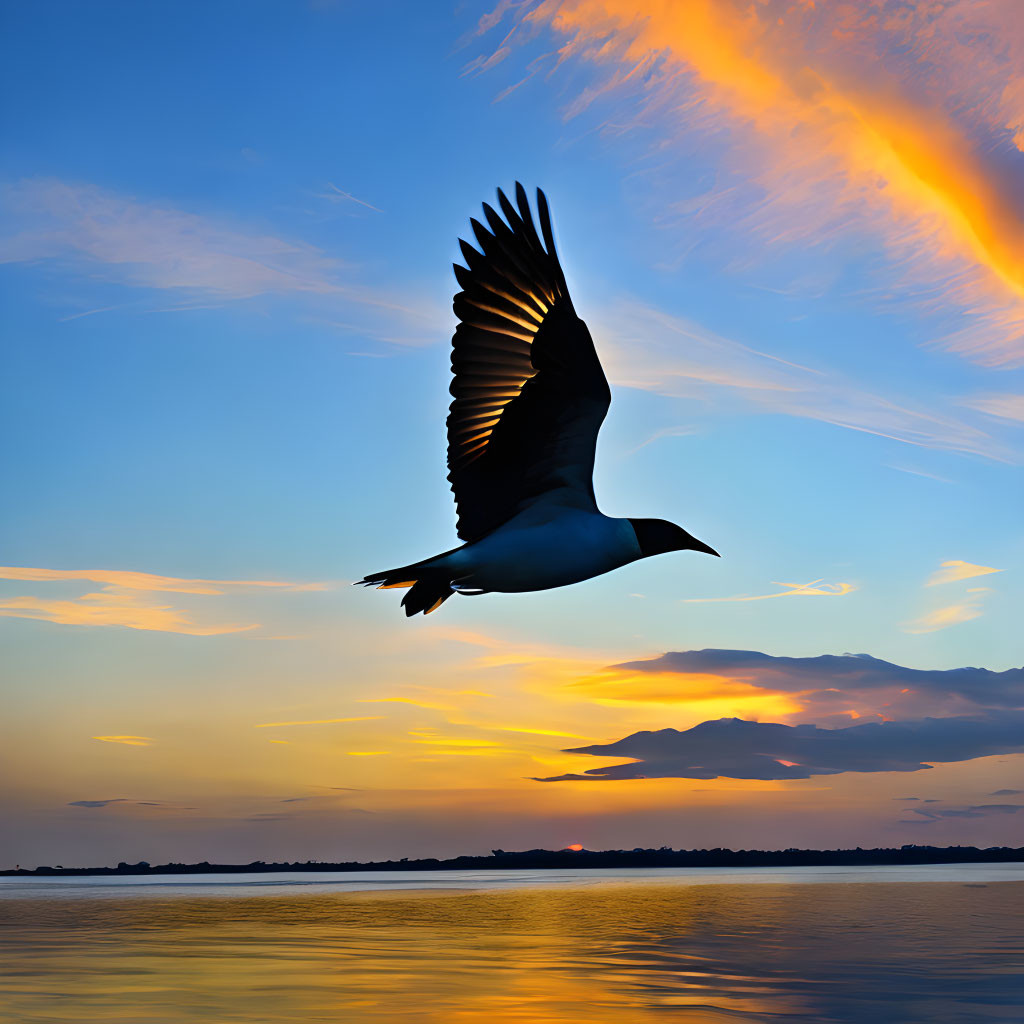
(529, 397)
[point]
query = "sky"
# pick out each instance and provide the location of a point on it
(796, 232)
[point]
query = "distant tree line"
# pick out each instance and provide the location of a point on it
(663, 857)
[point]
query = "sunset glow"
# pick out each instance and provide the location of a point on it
(795, 231)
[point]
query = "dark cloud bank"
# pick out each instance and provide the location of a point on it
(737, 749)
(849, 673)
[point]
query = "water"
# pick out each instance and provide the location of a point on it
(931, 945)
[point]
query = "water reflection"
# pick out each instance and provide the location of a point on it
(885, 953)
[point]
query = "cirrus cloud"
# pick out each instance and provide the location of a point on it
(93, 232)
(156, 245)
(122, 601)
(943, 618)
(1007, 407)
(105, 609)
(956, 570)
(816, 588)
(651, 350)
(902, 119)
(131, 580)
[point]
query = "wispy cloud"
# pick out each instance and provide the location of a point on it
(87, 312)
(109, 609)
(1007, 407)
(956, 570)
(156, 245)
(649, 349)
(975, 811)
(970, 607)
(94, 232)
(659, 434)
(528, 732)
(128, 741)
(902, 119)
(816, 588)
(943, 618)
(405, 700)
(337, 195)
(130, 580)
(438, 740)
(318, 721)
(125, 804)
(122, 601)
(921, 473)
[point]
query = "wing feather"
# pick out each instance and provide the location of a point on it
(529, 393)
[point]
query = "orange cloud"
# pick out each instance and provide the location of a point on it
(528, 732)
(816, 588)
(848, 116)
(942, 618)
(112, 610)
(121, 601)
(129, 580)
(956, 570)
(437, 740)
(128, 741)
(702, 695)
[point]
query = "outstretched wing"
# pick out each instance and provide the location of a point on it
(530, 394)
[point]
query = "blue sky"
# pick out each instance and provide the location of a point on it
(227, 235)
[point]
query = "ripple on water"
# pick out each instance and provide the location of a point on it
(896, 953)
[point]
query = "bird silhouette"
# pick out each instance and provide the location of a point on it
(529, 399)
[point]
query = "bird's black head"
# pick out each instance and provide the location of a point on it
(656, 536)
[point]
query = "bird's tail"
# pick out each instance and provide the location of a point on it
(428, 589)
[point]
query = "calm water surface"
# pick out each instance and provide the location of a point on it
(906, 946)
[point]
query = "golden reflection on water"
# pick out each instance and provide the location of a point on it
(700, 954)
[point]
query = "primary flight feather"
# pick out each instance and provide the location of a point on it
(529, 399)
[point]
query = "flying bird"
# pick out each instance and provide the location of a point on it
(529, 399)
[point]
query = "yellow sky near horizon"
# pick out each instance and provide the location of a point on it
(454, 722)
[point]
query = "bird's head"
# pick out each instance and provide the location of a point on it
(656, 536)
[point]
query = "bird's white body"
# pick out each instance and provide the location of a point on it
(544, 546)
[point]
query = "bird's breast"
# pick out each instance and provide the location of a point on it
(538, 556)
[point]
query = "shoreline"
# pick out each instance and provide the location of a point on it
(585, 860)
(432, 883)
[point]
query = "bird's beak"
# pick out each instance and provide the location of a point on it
(699, 545)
